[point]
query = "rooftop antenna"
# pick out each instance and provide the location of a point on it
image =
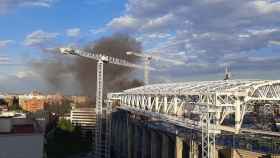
(227, 73)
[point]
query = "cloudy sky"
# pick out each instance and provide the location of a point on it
(205, 34)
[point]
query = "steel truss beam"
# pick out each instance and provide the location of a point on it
(217, 98)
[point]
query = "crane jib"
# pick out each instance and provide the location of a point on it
(108, 59)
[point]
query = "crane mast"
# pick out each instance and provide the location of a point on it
(99, 109)
(101, 150)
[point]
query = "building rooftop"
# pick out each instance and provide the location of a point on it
(220, 86)
(17, 123)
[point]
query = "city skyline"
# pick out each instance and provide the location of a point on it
(206, 35)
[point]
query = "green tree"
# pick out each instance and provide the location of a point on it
(65, 140)
(59, 109)
(65, 125)
(14, 105)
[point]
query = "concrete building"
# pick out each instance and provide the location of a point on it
(32, 95)
(86, 119)
(32, 102)
(83, 117)
(53, 99)
(80, 100)
(33, 105)
(20, 138)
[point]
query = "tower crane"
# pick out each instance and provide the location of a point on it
(147, 60)
(101, 59)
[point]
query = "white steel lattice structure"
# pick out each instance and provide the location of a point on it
(211, 100)
(99, 109)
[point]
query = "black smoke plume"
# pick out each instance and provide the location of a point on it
(83, 70)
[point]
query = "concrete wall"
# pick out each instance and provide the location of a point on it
(5, 125)
(132, 138)
(21, 146)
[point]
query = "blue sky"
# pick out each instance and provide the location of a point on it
(206, 35)
(53, 19)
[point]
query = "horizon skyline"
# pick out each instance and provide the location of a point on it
(206, 35)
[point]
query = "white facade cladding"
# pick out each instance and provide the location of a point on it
(84, 117)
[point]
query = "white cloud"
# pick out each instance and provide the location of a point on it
(124, 23)
(26, 74)
(73, 32)
(4, 43)
(266, 7)
(162, 22)
(39, 37)
(98, 31)
(263, 31)
(96, 2)
(159, 35)
(7, 5)
(213, 32)
(40, 3)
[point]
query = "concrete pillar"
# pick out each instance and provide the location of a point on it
(113, 135)
(225, 152)
(214, 152)
(136, 142)
(125, 133)
(155, 145)
(123, 138)
(118, 140)
(179, 147)
(146, 143)
(235, 154)
(193, 149)
(115, 143)
(130, 141)
(165, 146)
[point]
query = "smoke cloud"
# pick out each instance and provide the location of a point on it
(56, 72)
